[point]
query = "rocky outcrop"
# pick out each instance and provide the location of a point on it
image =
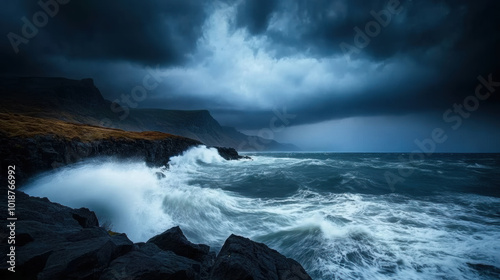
(46, 152)
(147, 261)
(41, 153)
(57, 242)
(175, 241)
(241, 258)
(230, 154)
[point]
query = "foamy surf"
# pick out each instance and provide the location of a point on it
(332, 215)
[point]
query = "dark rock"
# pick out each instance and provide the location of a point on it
(150, 262)
(241, 258)
(85, 258)
(230, 154)
(42, 211)
(85, 218)
(23, 239)
(175, 241)
(57, 242)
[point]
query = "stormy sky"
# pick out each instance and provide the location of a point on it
(341, 75)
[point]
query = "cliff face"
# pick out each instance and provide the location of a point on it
(42, 153)
(199, 125)
(80, 101)
(36, 145)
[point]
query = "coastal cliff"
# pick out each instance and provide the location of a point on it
(36, 145)
(81, 102)
(53, 241)
(56, 242)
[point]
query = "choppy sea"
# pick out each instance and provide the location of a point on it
(336, 214)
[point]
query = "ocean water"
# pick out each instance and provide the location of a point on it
(334, 213)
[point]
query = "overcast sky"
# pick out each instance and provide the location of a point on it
(351, 75)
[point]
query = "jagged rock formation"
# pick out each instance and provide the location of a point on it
(56, 242)
(240, 256)
(230, 153)
(80, 101)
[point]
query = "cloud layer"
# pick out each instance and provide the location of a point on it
(242, 59)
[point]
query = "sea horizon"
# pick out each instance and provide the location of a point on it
(333, 212)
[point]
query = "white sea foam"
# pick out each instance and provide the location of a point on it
(342, 235)
(126, 194)
(194, 156)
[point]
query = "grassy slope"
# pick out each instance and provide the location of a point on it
(15, 125)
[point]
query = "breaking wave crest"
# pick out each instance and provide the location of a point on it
(285, 203)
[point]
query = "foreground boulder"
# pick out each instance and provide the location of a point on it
(175, 241)
(56, 242)
(241, 258)
(147, 261)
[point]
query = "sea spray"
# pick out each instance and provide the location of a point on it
(126, 195)
(195, 156)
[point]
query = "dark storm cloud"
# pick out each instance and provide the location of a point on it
(436, 99)
(456, 40)
(275, 53)
(322, 25)
(451, 35)
(142, 32)
(255, 14)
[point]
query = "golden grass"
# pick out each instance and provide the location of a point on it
(112, 233)
(16, 125)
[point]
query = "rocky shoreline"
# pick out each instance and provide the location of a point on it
(41, 153)
(53, 241)
(58, 242)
